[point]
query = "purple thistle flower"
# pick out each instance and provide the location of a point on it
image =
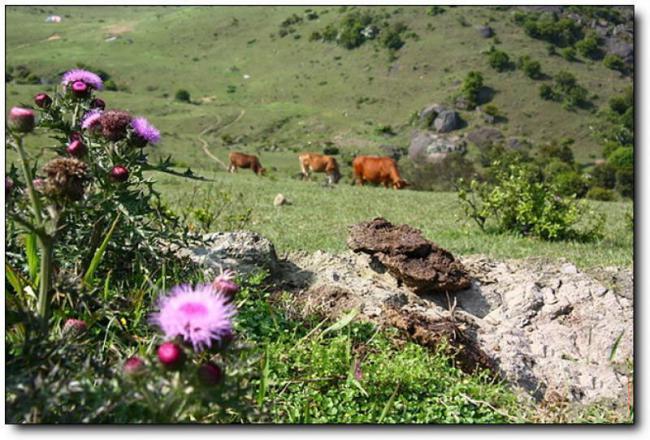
(145, 131)
(90, 79)
(200, 315)
(91, 119)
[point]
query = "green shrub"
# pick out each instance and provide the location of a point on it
(622, 157)
(570, 183)
(532, 69)
(392, 40)
(602, 194)
(604, 176)
(554, 150)
(499, 60)
(589, 46)
(625, 182)
(110, 85)
(435, 10)
(568, 53)
(614, 62)
(620, 104)
(492, 110)
(518, 202)
(561, 32)
(546, 92)
(472, 85)
(182, 95)
(315, 36)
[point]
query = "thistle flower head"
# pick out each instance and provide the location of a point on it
(170, 355)
(76, 148)
(66, 178)
(22, 119)
(210, 373)
(144, 132)
(43, 100)
(224, 284)
(114, 124)
(133, 366)
(199, 315)
(80, 89)
(79, 75)
(119, 173)
(91, 119)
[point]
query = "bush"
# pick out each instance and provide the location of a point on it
(602, 194)
(625, 182)
(561, 32)
(110, 85)
(435, 10)
(604, 176)
(499, 60)
(546, 92)
(570, 183)
(392, 40)
(553, 150)
(614, 62)
(182, 95)
(622, 157)
(589, 46)
(517, 202)
(472, 85)
(568, 53)
(315, 36)
(532, 69)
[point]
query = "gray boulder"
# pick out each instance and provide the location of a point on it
(621, 48)
(485, 31)
(430, 112)
(244, 252)
(432, 147)
(446, 121)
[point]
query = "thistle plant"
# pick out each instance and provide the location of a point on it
(92, 201)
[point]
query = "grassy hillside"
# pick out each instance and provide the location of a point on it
(298, 91)
(254, 89)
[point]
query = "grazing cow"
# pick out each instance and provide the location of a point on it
(377, 169)
(242, 160)
(319, 163)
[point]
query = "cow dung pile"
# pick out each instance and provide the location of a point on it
(421, 265)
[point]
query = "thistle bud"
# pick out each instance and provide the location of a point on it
(98, 103)
(9, 184)
(76, 148)
(224, 284)
(133, 366)
(74, 327)
(43, 100)
(171, 355)
(119, 173)
(80, 89)
(210, 374)
(75, 136)
(22, 119)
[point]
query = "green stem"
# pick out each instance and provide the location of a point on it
(75, 115)
(46, 247)
(33, 197)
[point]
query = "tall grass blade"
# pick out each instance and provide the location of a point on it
(615, 346)
(89, 276)
(341, 323)
(388, 405)
(31, 253)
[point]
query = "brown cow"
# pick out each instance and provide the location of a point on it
(377, 169)
(319, 163)
(242, 160)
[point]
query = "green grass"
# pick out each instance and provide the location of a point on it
(318, 217)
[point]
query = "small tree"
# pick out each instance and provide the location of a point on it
(614, 62)
(472, 86)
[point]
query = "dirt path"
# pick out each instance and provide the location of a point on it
(216, 126)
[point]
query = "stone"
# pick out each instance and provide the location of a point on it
(244, 252)
(446, 121)
(420, 264)
(618, 46)
(429, 112)
(280, 200)
(430, 147)
(485, 31)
